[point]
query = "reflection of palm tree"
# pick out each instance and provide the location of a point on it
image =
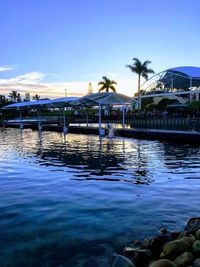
(14, 95)
(142, 70)
(107, 84)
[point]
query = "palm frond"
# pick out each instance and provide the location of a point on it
(113, 82)
(101, 83)
(145, 76)
(150, 71)
(113, 88)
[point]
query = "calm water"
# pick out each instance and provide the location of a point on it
(64, 202)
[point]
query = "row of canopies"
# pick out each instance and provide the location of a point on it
(85, 101)
(98, 99)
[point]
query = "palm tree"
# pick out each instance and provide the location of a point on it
(107, 84)
(14, 95)
(2, 99)
(36, 97)
(142, 70)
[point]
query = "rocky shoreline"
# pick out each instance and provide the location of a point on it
(168, 249)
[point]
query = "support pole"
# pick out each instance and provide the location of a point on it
(123, 116)
(190, 89)
(172, 83)
(39, 120)
(101, 131)
(87, 118)
(65, 129)
(20, 117)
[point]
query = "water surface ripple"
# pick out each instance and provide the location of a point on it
(65, 200)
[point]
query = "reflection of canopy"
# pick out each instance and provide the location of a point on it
(59, 102)
(103, 99)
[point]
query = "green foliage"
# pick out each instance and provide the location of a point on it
(146, 102)
(141, 68)
(194, 106)
(107, 84)
(164, 103)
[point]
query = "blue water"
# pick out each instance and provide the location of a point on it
(70, 201)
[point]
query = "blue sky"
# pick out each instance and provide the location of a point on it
(50, 45)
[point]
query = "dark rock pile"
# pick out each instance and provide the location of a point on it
(169, 249)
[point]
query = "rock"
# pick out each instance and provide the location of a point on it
(143, 257)
(163, 231)
(197, 234)
(193, 225)
(129, 251)
(175, 234)
(185, 259)
(196, 263)
(196, 248)
(163, 263)
(173, 249)
(156, 244)
(121, 261)
(183, 234)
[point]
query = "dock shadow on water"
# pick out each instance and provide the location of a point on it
(74, 200)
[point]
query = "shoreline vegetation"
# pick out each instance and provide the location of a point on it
(168, 249)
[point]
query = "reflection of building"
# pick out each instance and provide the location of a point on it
(181, 84)
(27, 97)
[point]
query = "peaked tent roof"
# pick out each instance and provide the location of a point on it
(103, 99)
(59, 102)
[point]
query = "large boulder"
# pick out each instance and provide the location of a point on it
(156, 244)
(143, 257)
(196, 248)
(185, 259)
(163, 263)
(121, 261)
(197, 234)
(129, 251)
(173, 249)
(193, 225)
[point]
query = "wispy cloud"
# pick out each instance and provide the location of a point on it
(33, 83)
(5, 68)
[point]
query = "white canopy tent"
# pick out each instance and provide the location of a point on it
(59, 103)
(98, 99)
(101, 99)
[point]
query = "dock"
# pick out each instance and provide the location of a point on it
(148, 134)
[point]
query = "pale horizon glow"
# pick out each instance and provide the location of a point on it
(32, 83)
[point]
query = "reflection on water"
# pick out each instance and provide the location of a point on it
(65, 199)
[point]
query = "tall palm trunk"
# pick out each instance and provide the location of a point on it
(139, 95)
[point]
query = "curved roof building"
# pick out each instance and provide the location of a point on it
(175, 79)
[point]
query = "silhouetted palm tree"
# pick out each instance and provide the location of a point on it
(142, 70)
(2, 99)
(107, 84)
(36, 97)
(14, 95)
